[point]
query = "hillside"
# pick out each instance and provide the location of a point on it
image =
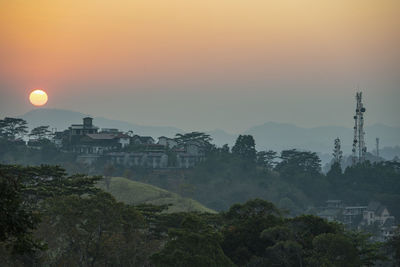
(131, 192)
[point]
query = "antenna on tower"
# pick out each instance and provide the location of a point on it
(359, 149)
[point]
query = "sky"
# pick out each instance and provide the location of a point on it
(202, 65)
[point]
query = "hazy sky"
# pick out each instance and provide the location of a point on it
(204, 64)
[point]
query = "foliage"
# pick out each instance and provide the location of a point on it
(245, 147)
(244, 224)
(82, 225)
(49, 181)
(294, 162)
(40, 132)
(337, 152)
(193, 244)
(370, 181)
(13, 128)
(93, 231)
(266, 159)
(197, 137)
(393, 247)
(335, 171)
(17, 220)
(333, 250)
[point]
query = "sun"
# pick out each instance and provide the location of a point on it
(38, 97)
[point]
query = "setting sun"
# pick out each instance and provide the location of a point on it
(38, 97)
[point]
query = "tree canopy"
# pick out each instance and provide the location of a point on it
(245, 147)
(13, 128)
(40, 132)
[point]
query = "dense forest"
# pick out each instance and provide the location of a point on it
(50, 218)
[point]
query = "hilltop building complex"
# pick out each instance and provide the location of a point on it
(117, 147)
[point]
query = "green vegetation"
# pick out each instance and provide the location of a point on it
(134, 193)
(50, 218)
(79, 224)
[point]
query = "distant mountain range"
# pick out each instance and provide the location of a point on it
(271, 135)
(278, 136)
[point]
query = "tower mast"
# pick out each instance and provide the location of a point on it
(359, 149)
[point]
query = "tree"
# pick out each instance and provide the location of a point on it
(337, 152)
(94, 231)
(40, 132)
(13, 128)
(201, 138)
(244, 224)
(45, 181)
(245, 147)
(17, 220)
(393, 246)
(333, 250)
(224, 149)
(294, 162)
(284, 253)
(267, 159)
(193, 244)
(336, 168)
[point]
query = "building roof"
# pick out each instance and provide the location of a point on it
(355, 207)
(107, 136)
(102, 136)
(376, 207)
(81, 126)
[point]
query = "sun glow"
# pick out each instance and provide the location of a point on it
(38, 97)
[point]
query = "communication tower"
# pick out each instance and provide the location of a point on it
(359, 148)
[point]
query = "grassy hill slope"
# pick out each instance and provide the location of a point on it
(131, 192)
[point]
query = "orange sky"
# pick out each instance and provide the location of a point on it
(212, 43)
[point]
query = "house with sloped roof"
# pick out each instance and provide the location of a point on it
(374, 216)
(98, 143)
(375, 213)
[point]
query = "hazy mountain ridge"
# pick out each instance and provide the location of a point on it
(270, 135)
